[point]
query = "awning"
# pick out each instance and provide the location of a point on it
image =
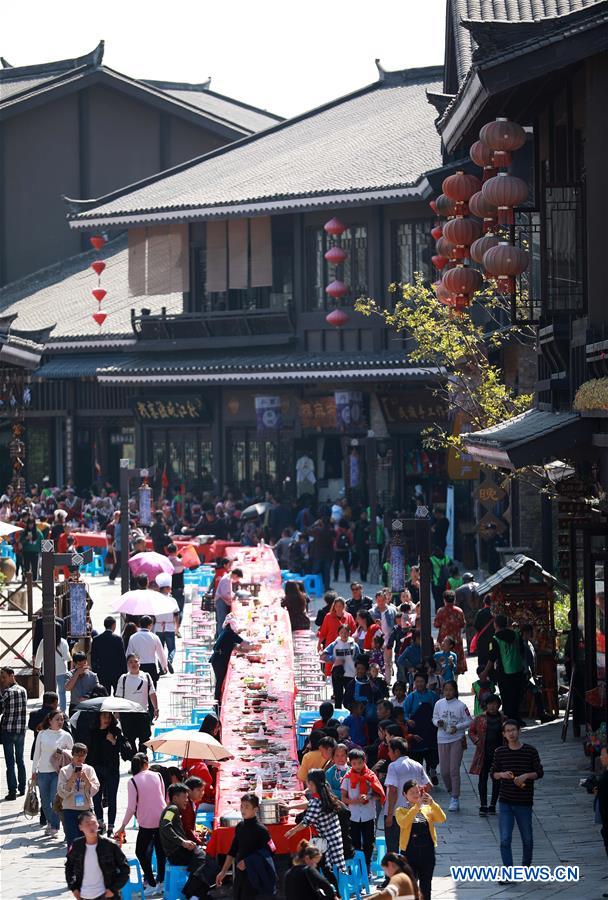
(515, 565)
(533, 437)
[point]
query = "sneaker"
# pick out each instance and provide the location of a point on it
(454, 805)
(102, 828)
(483, 810)
(110, 831)
(48, 831)
(150, 891)
(22, 792)
(54, 832)
(11, 797)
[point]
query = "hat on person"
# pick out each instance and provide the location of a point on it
(61, 514)
(163, 579)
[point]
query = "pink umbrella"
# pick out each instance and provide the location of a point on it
(151, 564)
(145, 603)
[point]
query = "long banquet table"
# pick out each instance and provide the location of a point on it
(259, 693)
(207, 552)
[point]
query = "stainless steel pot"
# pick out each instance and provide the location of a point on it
(230, 821)
(272, 812)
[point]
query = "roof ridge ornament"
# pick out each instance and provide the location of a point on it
(54, 67)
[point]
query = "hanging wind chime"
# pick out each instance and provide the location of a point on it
(98, 266)
(336, 256)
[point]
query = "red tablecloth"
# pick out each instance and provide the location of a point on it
(207, 552)
(277, 712)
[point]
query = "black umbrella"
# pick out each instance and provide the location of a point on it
(252, 512)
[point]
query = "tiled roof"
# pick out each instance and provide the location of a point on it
(495, 11)
(217, 368)
(19, 83)
(247, 117)
(61, 295)
(377, 138)
(515, 565)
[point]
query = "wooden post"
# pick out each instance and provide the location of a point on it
(124, 525)
(48, 613)
(373, 575)
(30, 595)
(423, 548)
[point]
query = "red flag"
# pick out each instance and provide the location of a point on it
(164, 480)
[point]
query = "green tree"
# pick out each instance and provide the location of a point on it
(459, 348)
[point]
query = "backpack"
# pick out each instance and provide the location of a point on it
(343, 542)
(510, 655)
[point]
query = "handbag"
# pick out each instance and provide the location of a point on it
(477, 635)
(126, 749)
(31, 804)
(57, 804)
(319, 843)
(60, 758)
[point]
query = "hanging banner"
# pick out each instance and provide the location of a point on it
(268, 415)
(349, 410)
(145, 505)
(397, 568)
(354, 468)
(78, 610)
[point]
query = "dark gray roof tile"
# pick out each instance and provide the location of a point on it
(379, 137)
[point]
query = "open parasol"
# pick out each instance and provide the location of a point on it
(111, 705)
(151, 564)
(189, 745)
(145, 603)
(255, 510)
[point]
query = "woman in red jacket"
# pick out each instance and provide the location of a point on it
(328, 632)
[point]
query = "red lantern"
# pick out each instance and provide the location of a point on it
(462, 232)
(335, 227)
(337, 318)
(479, 206)
(336, 289)
(335, 256)
(98, 266)
(436, 232)
(445, 248)
(99, 294)
(459, 187)
(502, 159)
(479, 247)
(97, 241)
(443, 295)
(100, 318)
(440, 262)
(503, 135)
(462, 281)
(445, 207)
(504, 262)
(433, 205)
(505, 192)
(482, 157)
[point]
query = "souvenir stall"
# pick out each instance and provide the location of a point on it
(524, 592)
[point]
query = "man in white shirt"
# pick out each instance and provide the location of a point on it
(401, 769)
(224, 595)
(95, 867)
(148, 648)
(138, 687)
(167, 624)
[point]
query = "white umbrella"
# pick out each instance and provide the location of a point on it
(111, 705)
(189, 745)
(6, 528)
(145, 603)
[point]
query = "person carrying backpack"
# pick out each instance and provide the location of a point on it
(506, 656)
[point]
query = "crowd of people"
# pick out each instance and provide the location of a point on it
(394, 724)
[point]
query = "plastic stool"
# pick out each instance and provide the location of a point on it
(313, 584)
(133, 890)
(357, 869)
(379, 855)
(175, 879)
(346, 887)
(206, 819)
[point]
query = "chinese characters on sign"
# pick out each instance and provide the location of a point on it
(318, 413)
(78, 610)
(268, 415)
(400, 409)
(190, 409)
(489, 493)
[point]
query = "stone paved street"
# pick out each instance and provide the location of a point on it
(564, 833)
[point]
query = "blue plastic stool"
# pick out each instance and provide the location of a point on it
(205, 818)
(175, 879)
(379, 854)
(133, 889)
(346, 885)
(313, 584)
(198, 714)
(357, 869)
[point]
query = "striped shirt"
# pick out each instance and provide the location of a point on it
(526, 759)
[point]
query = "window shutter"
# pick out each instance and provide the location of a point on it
(217, 257)
(261, 251)
(238, 253)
